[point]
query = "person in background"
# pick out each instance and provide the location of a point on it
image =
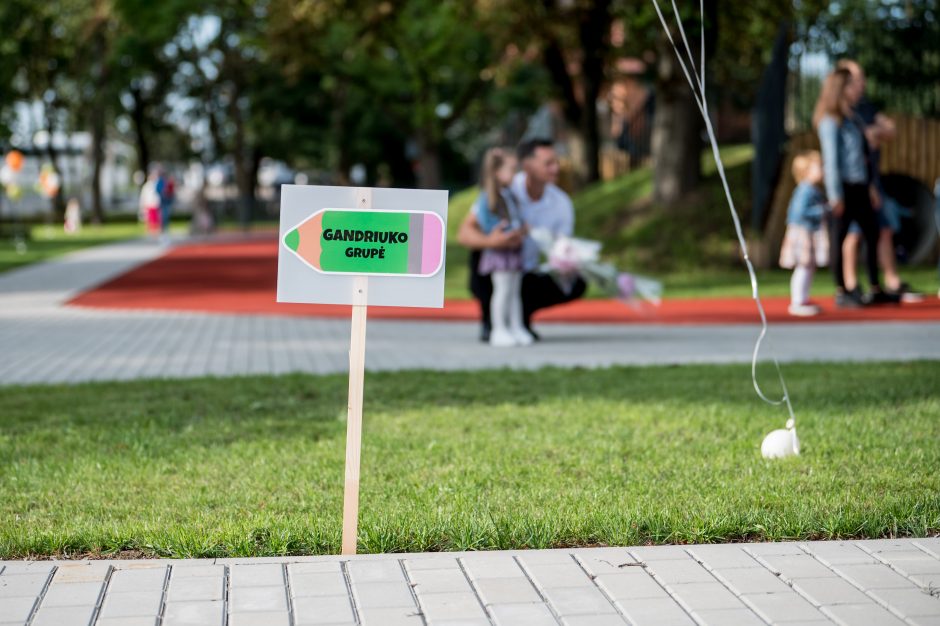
(804, 244)
(542, 204)
(497, 208)
(149, 204)
(849, 183)
(879, 129)
(166, 189)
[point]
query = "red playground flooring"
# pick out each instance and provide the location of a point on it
(241, 278)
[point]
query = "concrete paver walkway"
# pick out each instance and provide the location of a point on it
(43, 341)
(882, 582)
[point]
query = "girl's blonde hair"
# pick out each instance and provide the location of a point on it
(832, 99)
(802, 162)
(492, 161)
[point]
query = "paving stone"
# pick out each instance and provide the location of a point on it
(598, 561)
(382, 595)
(873, 576)
(930, 545)
(267, 618)
(22, 585)
(397, 616)
(267, 575)
(909, 602)
(750, 580)
(636, 584)
(127, 621)
(491, 567)
(131, 604)
(206, 613)
(439, 581)
(544, 556)
(876, 546)
(322, 610)
(911, 563)
(64, 616)
(869, 614)
(829, 591)
(436, 563)
(375, 571)
(593, 620)
(506, 590)
(459, 622)
(797, 566)
(247, 599)
(723, 617)
(81, 572)
(73, 594)
(782, 607)
(137, 580)
(551, 575)
(838, 552)
(701, 596)
(17, 568)
(318, 584)
(17, 609)
(654, 611)
(197, 571)
(723, 556)
(316, 567)
(195, 588)
(675, 572)
(660, 553)
(578, 601)
(461, 605)
(785, 548)
(519, 614)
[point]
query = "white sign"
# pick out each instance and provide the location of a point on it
(300, 280)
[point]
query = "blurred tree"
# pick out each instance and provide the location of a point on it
(896, 41)
(421, 63)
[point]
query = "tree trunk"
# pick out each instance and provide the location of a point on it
(139, 117)
(240, 157)
(429, 163)
(594, 28)
(677, 124)
(97, 152)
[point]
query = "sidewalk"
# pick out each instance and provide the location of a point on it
(44, 341)
(882, 582)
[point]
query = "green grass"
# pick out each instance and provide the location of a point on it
(46, 242)
(454, 461)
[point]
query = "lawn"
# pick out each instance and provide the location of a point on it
(455, 461)
(45, 242)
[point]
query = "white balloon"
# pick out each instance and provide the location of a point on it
(781, 443)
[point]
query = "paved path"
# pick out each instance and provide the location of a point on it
(883, 582)
(43, 341)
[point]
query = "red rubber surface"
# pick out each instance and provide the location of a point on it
(241, 278)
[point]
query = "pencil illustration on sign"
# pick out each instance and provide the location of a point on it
(385, 243)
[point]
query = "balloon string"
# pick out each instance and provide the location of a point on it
(701, 103)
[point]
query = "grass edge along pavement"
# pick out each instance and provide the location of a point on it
(466, 461)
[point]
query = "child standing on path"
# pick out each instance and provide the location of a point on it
(805, 245)
(497, 208)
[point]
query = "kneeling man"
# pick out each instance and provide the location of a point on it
(542, 205)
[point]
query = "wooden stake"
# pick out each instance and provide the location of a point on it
(357, 362)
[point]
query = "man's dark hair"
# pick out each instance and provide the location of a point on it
(528, 147)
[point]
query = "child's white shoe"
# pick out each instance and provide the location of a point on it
(522, 337)
(804, 310)
(501, 338)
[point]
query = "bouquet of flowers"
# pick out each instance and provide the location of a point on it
(570, 257)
